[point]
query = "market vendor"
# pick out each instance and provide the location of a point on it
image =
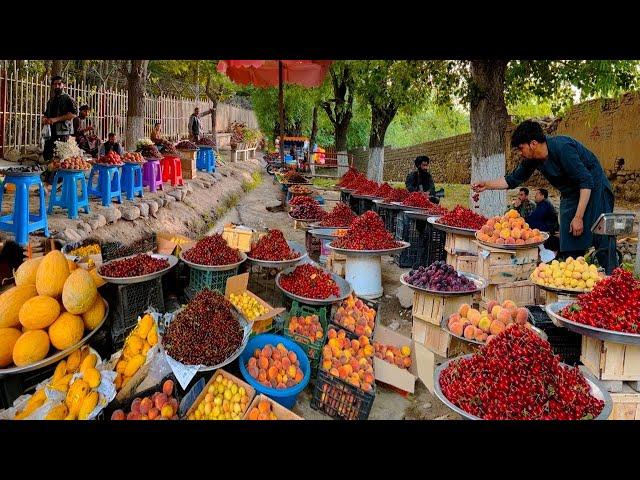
(156, 136)
(569, 166)
(421, 180)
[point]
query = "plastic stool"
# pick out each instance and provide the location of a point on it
(206, 159)
(152, 175)
(20, 222)
(132, 180)
(69, 198)
(108, 186)
(172, 170)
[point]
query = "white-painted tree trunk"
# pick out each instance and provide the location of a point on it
(133, 131)
(492, 202)
(343, 163)
(375, 167)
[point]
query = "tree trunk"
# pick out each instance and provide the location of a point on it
(214, 123)
(136, 82)
(381, 117)
(488, 118)
(281, 107)
(56, 67)
(314, 129)
(340, 135)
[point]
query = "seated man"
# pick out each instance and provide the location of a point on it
(156, 136)
(421, 180)
(522, 204)
(545, 218)
(111, 144)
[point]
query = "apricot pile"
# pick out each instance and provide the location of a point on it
(398, 356)
(308, 326)
(262, 411)
(160, 406)
(509, 229)
(354, 315)
(483, 326)
(350, 360)
(224, 400)
(275, 367)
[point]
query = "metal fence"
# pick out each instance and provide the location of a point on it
(24, 98)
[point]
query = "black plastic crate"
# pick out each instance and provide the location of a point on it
(262, 282)
(344, 197)
(113, 250)
(14, 386)
(413, 231)
(564, 342)
(130, 302)
(354, 204)
(389, 216)
(340, 400)
(434, 241)
(364, 205)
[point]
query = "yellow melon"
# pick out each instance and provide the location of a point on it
(97, 278)
(79, 292)
(52, 274)
(10, 303)
(31, 347)
(8, 339)
(66, 331)
(95, 314)
(72, 265)
(39, 312)
(26, 273)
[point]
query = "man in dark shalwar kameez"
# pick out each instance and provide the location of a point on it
(585, 191)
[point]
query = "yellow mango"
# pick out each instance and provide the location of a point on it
(60, 371)
(88, 404)
(58, 412)
(152, 337)
(134, 365)
(73, 361)
(121, 366)
(62, 384)
(92, 377)
(89, 362)
(144, 326)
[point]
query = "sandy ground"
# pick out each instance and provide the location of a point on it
(388, 404)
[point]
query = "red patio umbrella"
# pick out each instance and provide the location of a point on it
(269, 73)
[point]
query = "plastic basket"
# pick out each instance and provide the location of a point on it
(564, 342)
(130, 302)
(13, 386)
(262, 282)
(113, 250)
(434, 244)
(413, 231)
(313, 349)
(354, 203)
(285, 397)
(364, 205)
(340, 400)
(389, 216)
(344, 197)
(352, 335)
(200, 279)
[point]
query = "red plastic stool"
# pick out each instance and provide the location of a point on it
(172, 169)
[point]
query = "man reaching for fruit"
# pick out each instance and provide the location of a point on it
(585, 191)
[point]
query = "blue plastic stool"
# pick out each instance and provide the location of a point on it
(69, 198)
(21, 223)
(108, 186)
(206, 159)
(132, 180)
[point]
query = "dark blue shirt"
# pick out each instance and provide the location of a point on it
(544, 217)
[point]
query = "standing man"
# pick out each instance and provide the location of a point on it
(59, 113)
(195, 126)
(585, 191)
(421, 180)
(522, 204)
(111, 144)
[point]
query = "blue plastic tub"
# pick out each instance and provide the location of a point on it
(319, 199)
(286, 397)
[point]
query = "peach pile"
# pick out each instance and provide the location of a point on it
(262, 411)
(509, 229)
(483, 326)
(224, 400)
(398, 356)
(355, 316)
(160, 406)
(275, 367)
(308, 326)
(350, 360)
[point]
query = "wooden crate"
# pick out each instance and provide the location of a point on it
(463, 262)
(439, 341)
(610, 361)
(506, 266)
(250, 391)
(188, 163)
(626, 404)
(434, 308)
(521, 293)
(552, 297)
(281, 412)
(458, 244)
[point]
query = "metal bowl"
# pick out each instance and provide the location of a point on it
(596, 390)
(304, 220)
(282, 263)
(141, 278)
(476, 279)
(419, 215)
(213, 268)
(325, 233)
(343, 285)
(600, 333)
(370, 253)
(58, 355)
(391, 206)
(467, 232)
(545, 237)
(365, 197)
(561, 291)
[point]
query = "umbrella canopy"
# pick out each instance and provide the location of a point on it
(264, 73)
(272, 73)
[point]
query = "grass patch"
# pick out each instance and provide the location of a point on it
(324, 182)
(454, 194)
(256, 181)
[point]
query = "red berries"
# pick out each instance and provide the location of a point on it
(308, 211)
(397, 195)
(367, 232)
(421, 200)
(340, 216)
(212, 250)
(613, 304)
(142, 264)
(273, 247)
(516, 376)
(309, 282)
(461, 217)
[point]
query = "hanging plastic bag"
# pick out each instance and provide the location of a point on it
(46, 132)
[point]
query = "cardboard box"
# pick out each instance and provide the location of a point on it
(238, 284)
(388, 373)
(167, 243)
(241, 383)
(239, 236)
(281, 412)
(425, 365)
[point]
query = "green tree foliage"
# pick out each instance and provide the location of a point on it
(429, 123)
